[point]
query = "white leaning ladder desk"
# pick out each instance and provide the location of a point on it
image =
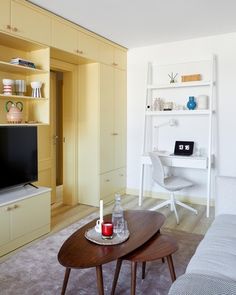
(180, 161)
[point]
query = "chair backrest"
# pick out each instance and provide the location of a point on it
(158, 173)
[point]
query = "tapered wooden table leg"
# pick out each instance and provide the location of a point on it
(66, 278)
(133, 277)
(100, 280)
(171, 267)
(116, 276)
(143, 269)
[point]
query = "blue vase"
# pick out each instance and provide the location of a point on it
(191, 105)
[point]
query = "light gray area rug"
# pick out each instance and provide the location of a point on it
(36, 271)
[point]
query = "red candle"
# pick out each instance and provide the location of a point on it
(107, 230)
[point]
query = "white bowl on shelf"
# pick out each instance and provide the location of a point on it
(36, 84)
(7, 82)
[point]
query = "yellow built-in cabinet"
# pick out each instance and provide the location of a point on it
(20, 218)
(74, 41)
(5, 15)
(31, 33)
(102, 133)
(24, 20)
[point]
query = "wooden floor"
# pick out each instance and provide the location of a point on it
(63, 215)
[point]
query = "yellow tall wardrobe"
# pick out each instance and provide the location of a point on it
(102, 133)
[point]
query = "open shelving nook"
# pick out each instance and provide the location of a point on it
(35, 110)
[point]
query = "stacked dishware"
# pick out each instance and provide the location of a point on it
(7, 86)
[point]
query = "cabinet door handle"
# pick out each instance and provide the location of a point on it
(114, 64)
(8, 27)
(14, 29)
(121, 174)
(80, 51)
(16, 206)
(114, 134)
(9, 208)
(107, 180)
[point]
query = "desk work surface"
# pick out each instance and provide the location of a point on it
(172, 160)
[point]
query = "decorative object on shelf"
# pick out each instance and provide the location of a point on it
(191, 104)
(20, 87)
(172, 77)
(190, 78)
(168, 106)
(7, 86)
(22, 62)
(36, 88)
(14, 112)
(202, 102)
(156, 104)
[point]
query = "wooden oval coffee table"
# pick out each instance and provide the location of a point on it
(78, 252)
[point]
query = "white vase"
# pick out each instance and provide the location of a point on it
(202, 102)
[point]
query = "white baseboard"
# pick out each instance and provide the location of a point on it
(165, 196)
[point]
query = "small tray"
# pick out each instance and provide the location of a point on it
(96, 238)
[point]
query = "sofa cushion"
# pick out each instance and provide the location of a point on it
(216, 254)
(189, 284)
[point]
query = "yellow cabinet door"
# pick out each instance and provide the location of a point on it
(106, 54)
(120, 58)
(5, 17)
(64, 36)
(88, 46)
(4, 225)
(119, 118)
(106, 119)
(30, 23)
(30, 214)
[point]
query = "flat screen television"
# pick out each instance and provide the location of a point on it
(18, 155)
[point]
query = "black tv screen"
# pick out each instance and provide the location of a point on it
(18, 155)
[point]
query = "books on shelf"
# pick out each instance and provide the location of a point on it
(22, 62)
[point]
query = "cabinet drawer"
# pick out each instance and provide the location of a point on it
(190, 163)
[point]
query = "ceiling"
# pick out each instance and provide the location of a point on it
(136, 23)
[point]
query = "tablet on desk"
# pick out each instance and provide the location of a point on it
(183, 148)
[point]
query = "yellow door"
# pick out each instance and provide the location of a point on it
(119, 118)
(5, 19)
(30, 23)
(106, 119)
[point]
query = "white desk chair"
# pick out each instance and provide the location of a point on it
(171, 184)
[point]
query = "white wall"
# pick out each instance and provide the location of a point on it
(224, 47)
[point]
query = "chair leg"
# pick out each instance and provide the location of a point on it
(174, 208)
(163, 204)
(143, 269)
(186, 206)
(116, 276)
(133, 277)
(171, 268)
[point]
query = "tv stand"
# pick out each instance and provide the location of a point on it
(29, 183)
(20, 218)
